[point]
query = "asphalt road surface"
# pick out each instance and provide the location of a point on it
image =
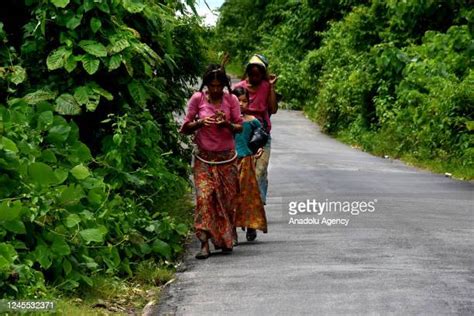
(404, 245)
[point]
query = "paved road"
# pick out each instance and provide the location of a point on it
(412, 255)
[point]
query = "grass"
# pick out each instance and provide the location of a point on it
(116, 296)
(119, 296)
(379, 145)
(454, 169)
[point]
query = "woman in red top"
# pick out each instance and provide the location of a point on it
(262, 104)
(213, 116)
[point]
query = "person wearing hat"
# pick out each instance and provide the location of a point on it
(262, 104)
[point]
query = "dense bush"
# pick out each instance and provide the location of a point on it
(393, 76)
(92, 176)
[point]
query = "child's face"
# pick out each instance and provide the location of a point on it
(244, 102)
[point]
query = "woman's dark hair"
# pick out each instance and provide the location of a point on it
(215, 72)
(241, 91)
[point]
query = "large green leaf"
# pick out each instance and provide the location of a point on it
(74, 21)
(8, 144)
(4, 264)
(71, 63)
(95, 24)
(10, 210)
(138, 93)
(151, 57)
(470, 125)
(18, 75)
(15, 226)
(61, 175)
(127, 62)
(45, 120)
(58, 134)
(57, 58)
(43, 255)
(80, 152)
(39, 96)
(42, 174)
(60, 246)
(71, 195)
(8, 251)
(48, 155)
(96, 196)
(97, 89)
(7, 256)
(133, 6)
(114, 62)
(94, 48)
(80, 172)
(118, 45)
(86, 96)
(81, 94)
(67, 105)
(72, 220)
(182, 229)
(67, 266)
(60, 3)
(90, 263)
(104, 7)
(90, 64)
(162, 248)
(92, 104)
(94, 234)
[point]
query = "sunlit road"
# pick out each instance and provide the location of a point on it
(413, 254)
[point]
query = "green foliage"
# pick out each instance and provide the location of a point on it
(92, 171)
(393, 76)
(411, 87)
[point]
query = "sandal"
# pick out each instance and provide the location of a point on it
(204, 253)
(251, 234)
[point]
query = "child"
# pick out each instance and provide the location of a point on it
(250, 212)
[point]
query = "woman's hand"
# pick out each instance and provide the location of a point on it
(272, 79)
(235, 128)
(220, 119)
(272, 99)
(191, 127)
(259, 153)
(222, 123)
(207, 121)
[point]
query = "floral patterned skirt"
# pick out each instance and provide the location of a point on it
(217, 190)
(250, 212)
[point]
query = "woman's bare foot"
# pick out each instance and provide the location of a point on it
(204, 253)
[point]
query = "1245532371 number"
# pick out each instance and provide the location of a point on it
(26, 305)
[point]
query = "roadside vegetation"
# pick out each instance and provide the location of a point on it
(394, 78)
(94, 189)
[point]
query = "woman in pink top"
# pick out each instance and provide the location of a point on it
(262, 104)
(213, 117)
